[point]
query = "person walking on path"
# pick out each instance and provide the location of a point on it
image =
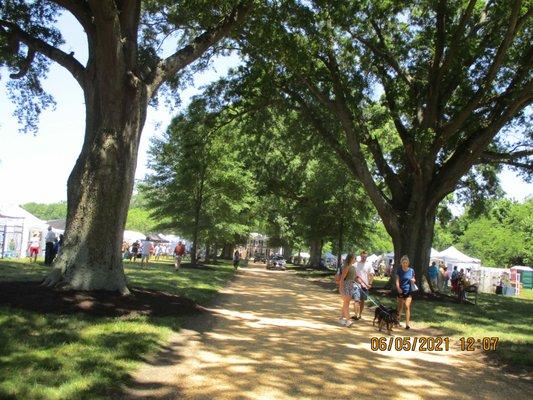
(179, 251)
(346, 288)
(405, 279)
(146, 246)
(364, 275)
(49, 239)
(236, 259)
(35, 245)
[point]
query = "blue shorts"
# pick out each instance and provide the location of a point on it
(359, 294)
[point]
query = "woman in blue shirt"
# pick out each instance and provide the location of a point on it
(405, 276)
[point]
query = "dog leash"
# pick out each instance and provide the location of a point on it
(376, 302)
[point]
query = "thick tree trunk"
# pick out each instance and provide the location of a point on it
(315, 253)
(414, 240)
(99, 190)
(227, 251)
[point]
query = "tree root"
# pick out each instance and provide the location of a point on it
(54, 278)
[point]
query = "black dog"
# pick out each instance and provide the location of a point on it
(386, 316)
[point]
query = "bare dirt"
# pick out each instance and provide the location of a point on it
(274, 335)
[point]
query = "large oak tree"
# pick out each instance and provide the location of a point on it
(411, 95)
(122, 75)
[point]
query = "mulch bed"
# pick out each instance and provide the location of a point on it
(31, 296)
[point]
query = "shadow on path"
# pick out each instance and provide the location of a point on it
(273, 335)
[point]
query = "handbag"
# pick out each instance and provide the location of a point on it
(414, 288)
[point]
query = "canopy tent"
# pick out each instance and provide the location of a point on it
(451, 256)
(302, 254)
(132, 236)
(433, 256)
(154, 237)
(18, 226)
(372, 258)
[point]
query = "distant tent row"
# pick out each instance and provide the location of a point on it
(17, 226)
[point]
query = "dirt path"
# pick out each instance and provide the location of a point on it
(274, 335)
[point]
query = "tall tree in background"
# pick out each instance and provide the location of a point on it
(199, 187)
(453, 75)
(305, 191)
(123, 74)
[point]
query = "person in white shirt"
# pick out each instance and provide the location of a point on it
(364, 275)
(145, 250)
(49, 249)
(158, 250)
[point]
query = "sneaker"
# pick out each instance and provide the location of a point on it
(355, 317)
(348, 324)
(407, 327)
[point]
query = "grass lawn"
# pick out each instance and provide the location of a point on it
(82, 357)
(509, 318)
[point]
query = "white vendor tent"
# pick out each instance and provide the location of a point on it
(17, 226)
(372, 258)
(434, 255)
(451, 256)
(132, 236)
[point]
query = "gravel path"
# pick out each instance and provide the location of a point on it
(274, 335)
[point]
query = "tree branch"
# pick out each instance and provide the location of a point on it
(408, 144)
(385, 55)
(461, 117)
(130, 15)
(354, 159)
(81, 11)
(345, 116)
(492, 157)
(431, 112)
(190, 53)
(470, 150)
(456, 38)
(34, 44)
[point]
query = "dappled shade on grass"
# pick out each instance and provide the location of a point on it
(31, 296)
(74, 353)
(70, 357)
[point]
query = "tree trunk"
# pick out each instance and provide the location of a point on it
(196, 229)
(414, 240)
(99, 190)
(215, 252)
(315, 253)
(227, 251)
(207, 251)
(287, 252)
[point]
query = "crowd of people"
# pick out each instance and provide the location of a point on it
(146, 249)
